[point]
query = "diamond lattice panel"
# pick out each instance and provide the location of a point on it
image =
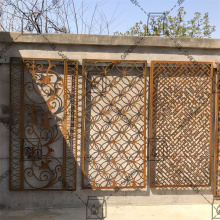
(180, 115)
(114, 125)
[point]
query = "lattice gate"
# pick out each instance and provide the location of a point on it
(114, 124)
(43, 124)
(180, 116)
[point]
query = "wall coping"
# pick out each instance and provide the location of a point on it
(108, 40)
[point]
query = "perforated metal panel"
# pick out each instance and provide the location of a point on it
(180, 115)
(114, 124)
(43, 124)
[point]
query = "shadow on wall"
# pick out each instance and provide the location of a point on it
(4, 105)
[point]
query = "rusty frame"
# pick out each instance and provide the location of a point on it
(216, 184)
(43, 116)
(103, 76)
(174, 170)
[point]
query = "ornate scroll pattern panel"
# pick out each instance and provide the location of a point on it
(114, 124)
(181, 113)
(216, 185)
(48, 123)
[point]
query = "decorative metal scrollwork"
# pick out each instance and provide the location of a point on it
(181, 114)
(43, 124)
(114, 124)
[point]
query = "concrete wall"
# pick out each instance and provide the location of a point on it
(94, 47)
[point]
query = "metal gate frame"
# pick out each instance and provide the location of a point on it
(182, 178)
(113, 184)
(63, 92)
(216, 184)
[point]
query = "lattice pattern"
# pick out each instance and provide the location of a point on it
(114, 124)
(43, 124)
(216, 185)
(180, 115)
(16, 79)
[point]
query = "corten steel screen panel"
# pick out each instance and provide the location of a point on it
(114, 124)
(216, 185)
(180, 115)
(43, 124)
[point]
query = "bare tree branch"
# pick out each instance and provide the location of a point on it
(61, 16)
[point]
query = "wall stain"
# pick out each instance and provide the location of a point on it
(5, 109)
(5, 120)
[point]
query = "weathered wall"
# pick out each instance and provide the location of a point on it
(94, 47)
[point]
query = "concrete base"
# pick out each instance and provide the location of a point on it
(169, 212)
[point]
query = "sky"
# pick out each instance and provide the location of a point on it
(127, 13)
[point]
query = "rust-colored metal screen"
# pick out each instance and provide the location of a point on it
(180, 115)
(216, 185)
(114, 124)
(43, 124)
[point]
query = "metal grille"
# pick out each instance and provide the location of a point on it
(114, 124)
(43, 124)
(180, 115)
(216, 187)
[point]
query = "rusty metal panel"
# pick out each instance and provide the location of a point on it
(181, 114)
(216, 184)
(43, 124)
(114, 124)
